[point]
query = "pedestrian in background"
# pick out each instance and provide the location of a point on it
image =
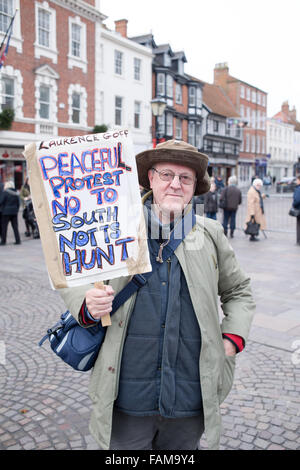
(24, 195)
(232, 197)
(296, 205)
(10, 202)
(211, 202)
(219, 183)
(255, 206)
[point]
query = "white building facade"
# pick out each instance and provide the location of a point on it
(281, 148)
(123, 87)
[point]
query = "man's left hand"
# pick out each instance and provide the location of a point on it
(230, 349)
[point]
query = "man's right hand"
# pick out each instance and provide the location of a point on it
(99, 301)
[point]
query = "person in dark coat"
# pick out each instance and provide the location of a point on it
(233, 198)
(296, 204)
(211, 202)
(10, 202)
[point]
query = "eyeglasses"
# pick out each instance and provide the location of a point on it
(168, 175)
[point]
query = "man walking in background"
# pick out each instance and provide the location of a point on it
(232, 198)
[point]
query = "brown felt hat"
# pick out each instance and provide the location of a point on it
(174, 151)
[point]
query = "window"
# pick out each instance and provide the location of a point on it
(44, 102)
(248, 93)
(242, 110)
(191, 133)
(170, 124)
(198, 135)
(76, 108)
(161, 125)
(137, 114)
(169, 86)
(178, 134)
(253, 143)
(118, 62)
(8, 93)
(6, 13)
(199, 98)
(215, 126)
(160, 84)
(178, 93)
(118, 110)
(247, 143)
(137, 68)
(242, 91)
(75, 40)
(253, 96)
(44, 28)
(192, 96)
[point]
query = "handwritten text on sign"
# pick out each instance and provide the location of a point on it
(90, 183)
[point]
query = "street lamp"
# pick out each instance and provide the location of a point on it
(158, 106)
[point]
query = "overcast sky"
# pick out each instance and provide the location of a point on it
(259, 39)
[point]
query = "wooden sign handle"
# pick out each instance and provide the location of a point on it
(105, 320)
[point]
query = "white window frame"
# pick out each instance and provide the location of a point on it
(178, 93)
(248, 94)
(169, 87)
(137, 115)
(242, 91)
(45, 75)
(81, 91)
(81, 60)
(198, 97)
(178, 131)
(120, 109)
(118, 62)
(161, 84)
(192, 96)
(191, 132)
(169, 124)
(5, 96)
(15, 75)
(40, 50)
(198, 142)
(16, 37)
(137, 68)
(47, 103)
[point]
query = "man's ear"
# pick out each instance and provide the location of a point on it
(150, 176)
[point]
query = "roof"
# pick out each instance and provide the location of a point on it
(217, 101)
(283, 117)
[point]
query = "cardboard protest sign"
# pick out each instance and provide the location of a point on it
(87, 202)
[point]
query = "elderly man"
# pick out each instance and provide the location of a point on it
(166, 363)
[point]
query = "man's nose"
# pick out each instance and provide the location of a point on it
(175, 183)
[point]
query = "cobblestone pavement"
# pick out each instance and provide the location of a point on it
(44, 404)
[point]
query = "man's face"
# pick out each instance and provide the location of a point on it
(171, 197)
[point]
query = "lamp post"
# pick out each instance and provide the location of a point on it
(158, 106)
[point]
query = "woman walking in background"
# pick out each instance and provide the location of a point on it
(256, 206)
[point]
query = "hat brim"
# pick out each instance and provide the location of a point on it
(196, 160)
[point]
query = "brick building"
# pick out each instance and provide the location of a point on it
(49, 75)
(250, 103)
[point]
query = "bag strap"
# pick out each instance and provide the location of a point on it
(166, 250)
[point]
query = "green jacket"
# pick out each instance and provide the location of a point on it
(211, 270)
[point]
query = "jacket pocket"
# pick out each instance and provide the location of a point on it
(228, 376)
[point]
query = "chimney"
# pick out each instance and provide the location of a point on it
(293, 114)
(221, 73)
(285, 108)
(121, 27)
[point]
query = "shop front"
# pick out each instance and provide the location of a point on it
(12, 165)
